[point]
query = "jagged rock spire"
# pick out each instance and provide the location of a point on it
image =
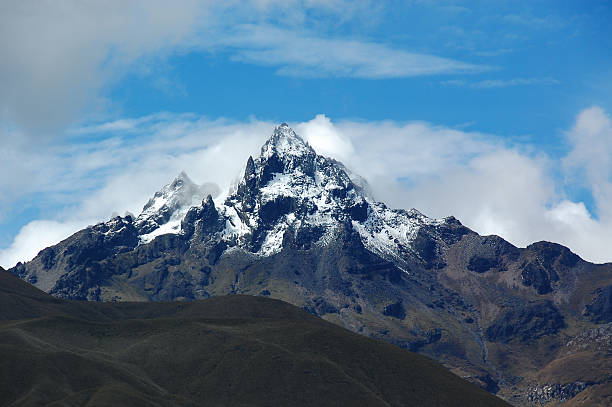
(169, 205)
(249, 171)
(202, 219)
(285, 153)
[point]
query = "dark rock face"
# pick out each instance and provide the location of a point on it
(395, 310)
(359, 211)
(491, 253)
(319, 306)
(554, 256)
(543, 271)
(203, 220)
(47, 257)
(215, 251)
(600, 310)
(537, 276)
(102, 241)
(526, 322)
(303, 237)
(426, 247)
(452, 231)
(482, 264)
(489, 384)
(271, 211)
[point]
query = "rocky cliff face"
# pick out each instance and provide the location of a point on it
(299, 228)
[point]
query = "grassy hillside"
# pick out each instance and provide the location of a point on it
(223, 351)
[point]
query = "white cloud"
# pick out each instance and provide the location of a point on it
(57, 55)
(35, 236)
(323, 136)
(591, 139)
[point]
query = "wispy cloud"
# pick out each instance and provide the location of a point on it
(549, 21)
(305, 55)
(500, 83)
(51, 75)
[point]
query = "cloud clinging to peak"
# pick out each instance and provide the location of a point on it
(489, 185)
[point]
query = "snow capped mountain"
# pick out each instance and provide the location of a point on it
(288, 189)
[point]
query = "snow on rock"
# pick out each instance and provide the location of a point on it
(389, 232)
(164, 212)
(286, 189)
(285, 142)
(289, 187)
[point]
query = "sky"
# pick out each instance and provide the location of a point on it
(496, 112)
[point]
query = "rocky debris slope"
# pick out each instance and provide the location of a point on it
(554, 392)
(299, 228)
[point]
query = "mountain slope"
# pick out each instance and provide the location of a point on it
(300, 229)
(230, 350)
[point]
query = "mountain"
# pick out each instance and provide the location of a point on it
(164, 212)
(299, 228)
(227, 350)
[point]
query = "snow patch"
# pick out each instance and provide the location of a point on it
(389, 232)
(172, 226)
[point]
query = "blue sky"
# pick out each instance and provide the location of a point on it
(541, 62)
(494, 111)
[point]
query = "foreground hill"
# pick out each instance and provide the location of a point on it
(224, 351)
(301, 228)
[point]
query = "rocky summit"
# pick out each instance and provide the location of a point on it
(301, 228)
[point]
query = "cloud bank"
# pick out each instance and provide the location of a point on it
(489, 185)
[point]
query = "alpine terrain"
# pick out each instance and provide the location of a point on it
(223, 351)
(532, 325)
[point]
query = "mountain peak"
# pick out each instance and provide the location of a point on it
(164, 211)
(182, 176)
(181, 182)
(284, 141)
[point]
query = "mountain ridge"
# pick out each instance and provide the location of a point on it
(297, 228)
(230, 350)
